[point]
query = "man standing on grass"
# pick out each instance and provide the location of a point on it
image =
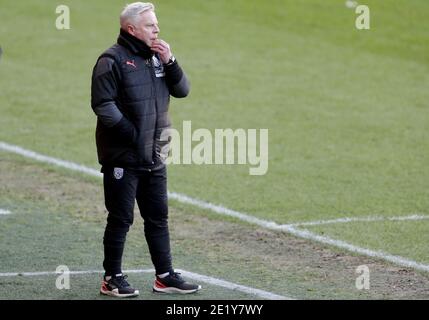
(131, 86)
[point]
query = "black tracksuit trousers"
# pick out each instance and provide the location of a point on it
(121, 188)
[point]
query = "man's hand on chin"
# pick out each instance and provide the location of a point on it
(163, 49)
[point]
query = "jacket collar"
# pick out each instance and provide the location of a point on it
(136, 46)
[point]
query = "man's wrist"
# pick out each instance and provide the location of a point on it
(170, 61)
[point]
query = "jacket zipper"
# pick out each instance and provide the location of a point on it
(152, 75)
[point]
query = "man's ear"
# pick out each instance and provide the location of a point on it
(130, 29)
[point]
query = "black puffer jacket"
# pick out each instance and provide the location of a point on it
(130, 95)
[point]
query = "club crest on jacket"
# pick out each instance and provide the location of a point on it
(118, 173)
(158, 66)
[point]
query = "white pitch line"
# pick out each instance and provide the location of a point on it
(173, 195)
(4, 212)
(363, 251)
(192, 275)
(232, 213)
(46, 159)
(233, 286)
(413, 217)
(49, 273)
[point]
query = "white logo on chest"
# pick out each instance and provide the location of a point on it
(158, 66)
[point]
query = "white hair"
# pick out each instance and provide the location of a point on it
(132, 11)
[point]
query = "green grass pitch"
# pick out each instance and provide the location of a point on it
(347, 112)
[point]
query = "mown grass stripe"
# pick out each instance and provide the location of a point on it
(232, 213)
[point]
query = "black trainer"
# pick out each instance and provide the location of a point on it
(174, 283)
(117, 286)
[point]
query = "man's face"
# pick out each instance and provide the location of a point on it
(146, 29)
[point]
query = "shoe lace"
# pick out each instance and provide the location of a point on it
(121, 281)
(177, 276)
